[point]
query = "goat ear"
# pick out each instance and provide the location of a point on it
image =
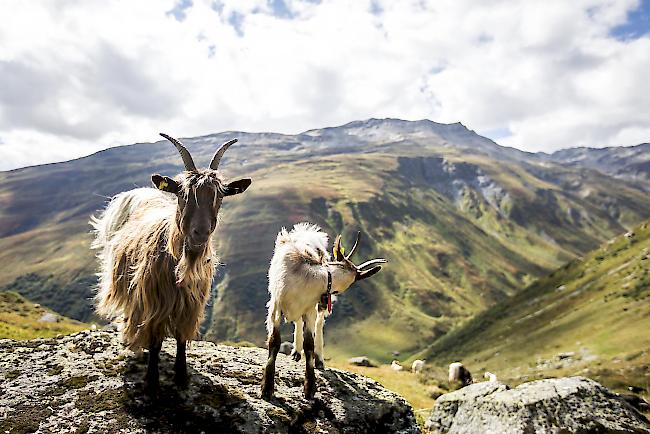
(164, 183)
(236, 187)
(367, 273)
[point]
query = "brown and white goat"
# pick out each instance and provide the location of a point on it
(157, 259)
(301, 276)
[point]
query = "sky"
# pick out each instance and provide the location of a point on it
(80, 76)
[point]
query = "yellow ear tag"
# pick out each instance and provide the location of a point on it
(163, 184)
(342, 250)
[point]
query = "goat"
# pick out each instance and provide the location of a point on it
(157, 260)
(396, 366)
(459, 374)
(301, 277)
(417, 366)
(489, 376)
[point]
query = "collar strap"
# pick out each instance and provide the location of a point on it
(326, 299)
(329, 280)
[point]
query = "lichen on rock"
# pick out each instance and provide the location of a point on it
(87, 382)
(558, 405)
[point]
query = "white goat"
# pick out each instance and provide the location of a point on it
(395, 366)
(417, 366)
(301, 277)
(459, 374)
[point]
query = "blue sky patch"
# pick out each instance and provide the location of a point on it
(237, 20)
(637, 25)
(280, 9)
(497, 133)
(178, 11)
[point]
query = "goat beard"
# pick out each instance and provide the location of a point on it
(193, 266)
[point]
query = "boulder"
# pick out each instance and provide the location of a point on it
(574, 404)
(88, 382)
(286, 348)
(360, 361)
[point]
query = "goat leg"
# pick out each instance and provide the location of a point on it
(310, 376)
(180, 365)
(269, 371)
(297, 340)
(151, 380)
(318, 340)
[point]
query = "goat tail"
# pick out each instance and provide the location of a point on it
(273, 317)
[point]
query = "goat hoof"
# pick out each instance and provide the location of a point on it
(295, 356)
(151, 389)
(319, 364)
(181, 380)
(309, 393)
(267, 395)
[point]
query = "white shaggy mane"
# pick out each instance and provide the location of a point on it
(307, 238)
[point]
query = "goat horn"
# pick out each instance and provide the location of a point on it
(214, 164)
(185, 154)
(371, 262)
(354, 247)
(337, 247)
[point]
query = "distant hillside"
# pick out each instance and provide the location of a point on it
(631, 163)
(464, 223)
(22, 319)
(591, 316)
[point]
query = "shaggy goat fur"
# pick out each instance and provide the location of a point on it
(157, 259)
(298, 278)
(143, 266)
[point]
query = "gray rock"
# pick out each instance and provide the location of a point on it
(286, 348)
(87, 382)
(360, 361)
(49, 317)
(574, 404)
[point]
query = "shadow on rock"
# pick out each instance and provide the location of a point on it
(202, 406)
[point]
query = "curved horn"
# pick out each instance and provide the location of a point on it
(371, 262)
(354, 247)
(214, 164)
(185, 154)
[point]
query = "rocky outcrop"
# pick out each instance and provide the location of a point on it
(566, 405)
(87, 382)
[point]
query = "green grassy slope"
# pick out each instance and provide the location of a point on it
(597, 308)
(449, 257)
(463, 222)
(22, 319)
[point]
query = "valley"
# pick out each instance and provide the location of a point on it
(464, 223)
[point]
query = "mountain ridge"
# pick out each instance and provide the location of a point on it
(462, 225)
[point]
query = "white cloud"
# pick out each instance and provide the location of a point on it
(80, 76)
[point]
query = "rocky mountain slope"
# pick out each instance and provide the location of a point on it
(589, 317)
(87, 383)
(631, 163)
(464, 223)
